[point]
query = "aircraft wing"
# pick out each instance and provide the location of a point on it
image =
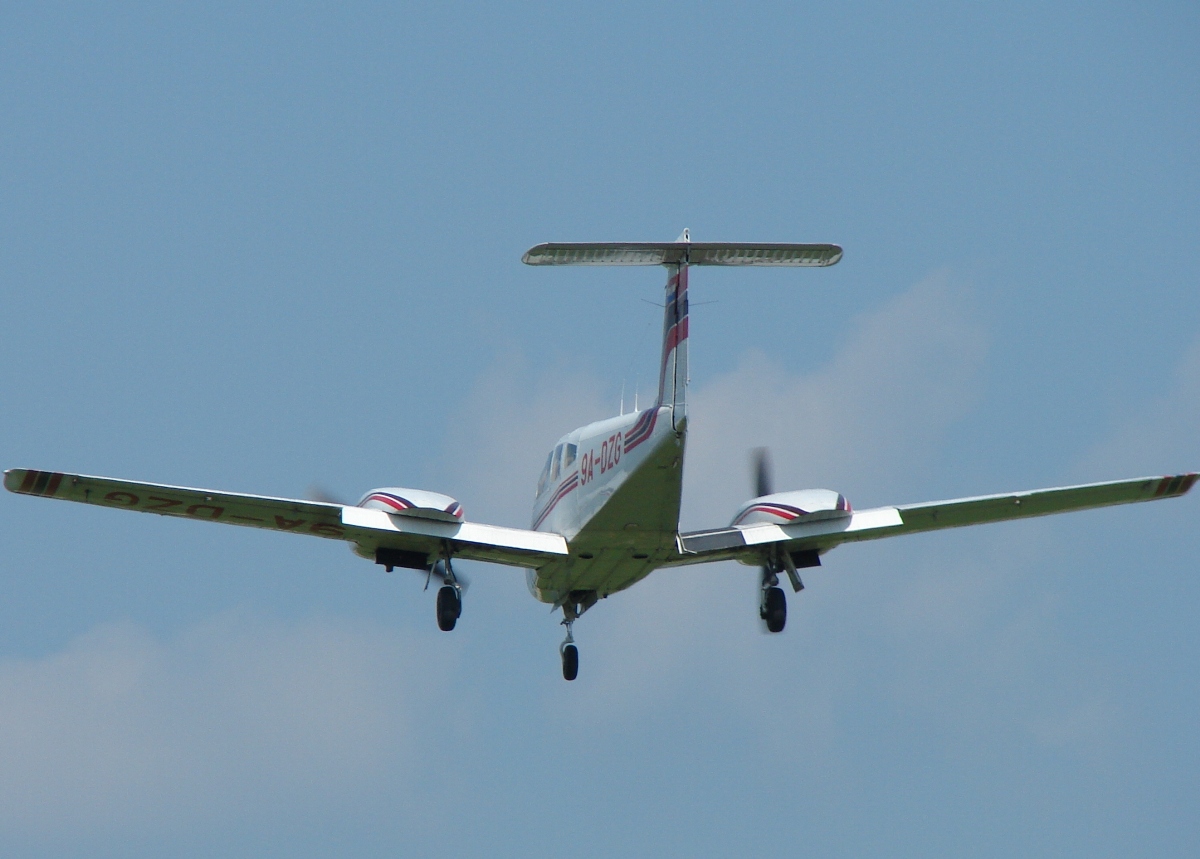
(406, 540)
(747, 543)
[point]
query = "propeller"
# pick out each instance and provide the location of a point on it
(762, 471)
(760, 459)
(323, 496)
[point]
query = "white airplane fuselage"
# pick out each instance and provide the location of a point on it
(617, 503)
(612, 488)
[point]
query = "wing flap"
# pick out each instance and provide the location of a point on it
(736, 539)
(372, 529)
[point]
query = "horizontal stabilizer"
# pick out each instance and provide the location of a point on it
(673, 253)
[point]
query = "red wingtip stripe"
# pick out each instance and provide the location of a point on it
(1178, 484)
(40, 482)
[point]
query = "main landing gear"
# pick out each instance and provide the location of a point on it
(577, 603)
(772, 606)
(449, 599)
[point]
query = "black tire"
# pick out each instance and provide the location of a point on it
(775, 610)
(449, 607)
(570, 657)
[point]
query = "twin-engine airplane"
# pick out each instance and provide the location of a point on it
(606, 513)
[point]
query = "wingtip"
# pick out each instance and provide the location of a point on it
(1174, 485)
(26, 481)
(530, 257)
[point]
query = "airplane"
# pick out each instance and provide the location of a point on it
(606, 509)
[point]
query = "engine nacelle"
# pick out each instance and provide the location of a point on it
(790, 508)
(413, 502)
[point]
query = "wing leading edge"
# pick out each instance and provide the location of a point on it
(368, 530)
(748, 542)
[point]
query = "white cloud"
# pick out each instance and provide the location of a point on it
(1160, 435)
(972, 641)
(872, 415)
(122, 728)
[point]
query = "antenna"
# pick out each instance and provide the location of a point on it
(623, 398)
(635, 393)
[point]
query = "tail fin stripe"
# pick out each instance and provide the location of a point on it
(642, 430)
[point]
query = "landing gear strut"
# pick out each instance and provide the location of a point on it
(449, 599)
(772, 607)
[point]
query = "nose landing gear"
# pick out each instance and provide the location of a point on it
(577, 603)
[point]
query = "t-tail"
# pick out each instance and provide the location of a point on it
(677, 257)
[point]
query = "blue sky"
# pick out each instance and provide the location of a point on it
(260, 247)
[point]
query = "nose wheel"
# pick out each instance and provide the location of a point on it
(570, 659)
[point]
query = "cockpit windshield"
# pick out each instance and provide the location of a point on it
(545, 478)
(556, 458)
(558, 463)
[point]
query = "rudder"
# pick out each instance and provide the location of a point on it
(673, 374)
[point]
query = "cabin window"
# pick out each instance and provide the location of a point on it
(569, 455)
(545, 475)
(556, 458)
